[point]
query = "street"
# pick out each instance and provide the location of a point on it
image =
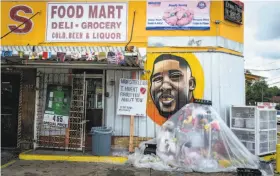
(51, 168)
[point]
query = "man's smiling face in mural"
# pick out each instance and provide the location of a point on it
(172, 84)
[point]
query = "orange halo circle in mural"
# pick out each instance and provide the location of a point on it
(197, 73)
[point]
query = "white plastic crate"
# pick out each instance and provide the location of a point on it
(255, 127)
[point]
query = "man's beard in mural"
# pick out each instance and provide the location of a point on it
(180, 101)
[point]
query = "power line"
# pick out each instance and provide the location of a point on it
(267, 64)
(274, 83)
(273, 69)
(273, 78)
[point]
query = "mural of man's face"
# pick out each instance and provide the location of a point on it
(171, 86)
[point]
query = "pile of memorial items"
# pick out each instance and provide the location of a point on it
(194, 139)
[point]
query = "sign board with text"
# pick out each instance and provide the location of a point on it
(57, 106)
(132, 97)
(233, 12)
(178, 15)
(56, 120)
(87, 22)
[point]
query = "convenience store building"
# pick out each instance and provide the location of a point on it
(68, 44)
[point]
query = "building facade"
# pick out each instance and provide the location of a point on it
(197, 55)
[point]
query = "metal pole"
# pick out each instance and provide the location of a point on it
(262, 94)
(36, 110)
(85, 113)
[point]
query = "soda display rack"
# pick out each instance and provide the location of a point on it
(255, 127)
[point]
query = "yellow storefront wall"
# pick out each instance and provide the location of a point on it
(140, 39)
(140, 34)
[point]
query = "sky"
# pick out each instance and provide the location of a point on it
(262, 39)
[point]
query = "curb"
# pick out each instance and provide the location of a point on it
(96, 159)
(8, 164)
(269, 157)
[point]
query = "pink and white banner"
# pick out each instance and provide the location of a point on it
(178, 15)
(87, 22)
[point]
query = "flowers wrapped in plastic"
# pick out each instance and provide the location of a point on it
(196, 139)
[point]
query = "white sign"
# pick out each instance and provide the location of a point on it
(178, 15)
(132, 97)
(266, 105)
(56, 120)
(87, 22)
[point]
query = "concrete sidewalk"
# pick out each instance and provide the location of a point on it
(53, 168)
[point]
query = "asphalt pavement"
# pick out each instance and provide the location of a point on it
(53, 168)
(8, 155)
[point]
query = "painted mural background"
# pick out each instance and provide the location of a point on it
(174, 81)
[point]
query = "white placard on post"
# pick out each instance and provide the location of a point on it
(132, 97)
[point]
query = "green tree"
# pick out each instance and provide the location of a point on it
(274, 91)
(260, 92)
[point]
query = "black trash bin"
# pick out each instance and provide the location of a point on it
(101, 140)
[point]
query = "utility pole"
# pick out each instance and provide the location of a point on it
(262, 93)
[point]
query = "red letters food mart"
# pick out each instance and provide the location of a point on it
(94, 11)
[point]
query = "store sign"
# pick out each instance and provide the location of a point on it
(132, 97)
(56, 120)
(178, 15)
(14, 15)
(86, 22)
(233, 12)
(57, 106)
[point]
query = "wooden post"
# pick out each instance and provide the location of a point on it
(131, 149)
(131, 134)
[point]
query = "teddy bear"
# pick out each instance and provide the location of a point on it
(166, 143)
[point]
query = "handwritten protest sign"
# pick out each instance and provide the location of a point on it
(132, 97)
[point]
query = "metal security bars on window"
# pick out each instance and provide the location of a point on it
(71, 134)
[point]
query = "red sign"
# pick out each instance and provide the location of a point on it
(241, 4)
(266, 105)
(14, 15)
